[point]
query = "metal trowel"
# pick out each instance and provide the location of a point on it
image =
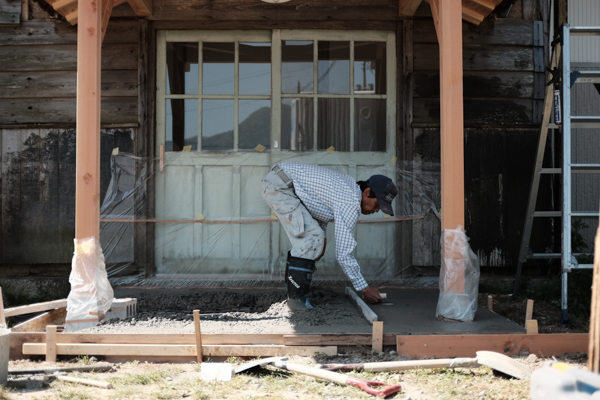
(258, 363)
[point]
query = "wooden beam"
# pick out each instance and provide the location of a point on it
(2, 311)
(107, 6)
(37, 307)
(451, 113)
(62, 4)
(72, 17)
(87, 174)
(473, 15)
(142, 8)
(472, 20)
(407, 8)
(177, 350)
(446, 346)
(490, 5)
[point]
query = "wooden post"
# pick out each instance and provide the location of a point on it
(378, 336)
(51, 343)
(594, 341)
(87, 173)
(490, 302)
(198, 336)
(449, 22)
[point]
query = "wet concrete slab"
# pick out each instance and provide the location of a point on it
(413, 312)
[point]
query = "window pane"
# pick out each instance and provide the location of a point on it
(182, 68)
(369, 67)
(181, 124)
(255, 124)
(217, 124)
(297, 122)
(334, 67)
(369, 124)
(255, 68)
(218, 68)
(334, 124)
(297, 66)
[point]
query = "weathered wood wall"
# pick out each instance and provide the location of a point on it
(38, 77)
(38, 73)
(38, 191)
(500, 116)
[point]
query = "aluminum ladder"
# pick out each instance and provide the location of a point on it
(569, 121)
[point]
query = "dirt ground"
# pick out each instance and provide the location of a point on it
(176, 381)
(246, 312)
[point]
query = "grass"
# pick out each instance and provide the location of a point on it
(140, 379)
(70, 394)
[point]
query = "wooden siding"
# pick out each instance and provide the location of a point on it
(38, 191)
(500, 133)
(38, 73)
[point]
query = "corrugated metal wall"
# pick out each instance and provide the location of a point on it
(585, 55)
(585, 13)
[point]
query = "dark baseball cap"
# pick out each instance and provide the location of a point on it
(385, 191)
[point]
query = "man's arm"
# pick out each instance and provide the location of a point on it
(345, 219)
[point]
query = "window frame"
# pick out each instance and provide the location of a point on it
(275, 37)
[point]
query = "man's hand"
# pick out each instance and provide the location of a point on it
(371, 295)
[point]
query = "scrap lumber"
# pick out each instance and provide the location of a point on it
(446, 346)
(33, 308)
(177, 350)
(39, 323)
(361, 305)
(377, 342)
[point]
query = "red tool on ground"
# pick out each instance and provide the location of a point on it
(385, 389)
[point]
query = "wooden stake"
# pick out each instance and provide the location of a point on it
(378, 336)
(490, 302)
(2, 318)
(529, 311)
(198, 336)
(51, 343)
(531, 326)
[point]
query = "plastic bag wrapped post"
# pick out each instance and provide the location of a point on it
(91, 294)
(459, 277)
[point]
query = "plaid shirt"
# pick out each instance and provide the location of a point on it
(328, 196)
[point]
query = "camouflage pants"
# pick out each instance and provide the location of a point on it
(304, 232)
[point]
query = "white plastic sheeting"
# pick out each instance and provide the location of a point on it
(459, 277)
(91, 294)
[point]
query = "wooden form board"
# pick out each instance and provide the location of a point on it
(33, 308)
(39, 323)
(177, 350)
(446, 346)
